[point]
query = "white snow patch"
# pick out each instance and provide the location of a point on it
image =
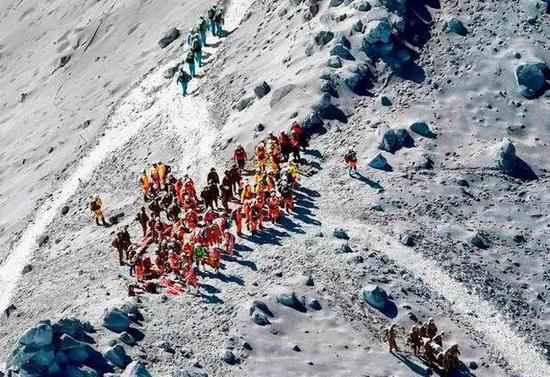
(141, 106)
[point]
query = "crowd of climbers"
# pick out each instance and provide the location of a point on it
(196, 41)
(427, 344)
(186, 228)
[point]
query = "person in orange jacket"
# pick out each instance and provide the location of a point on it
(274, 210)
(350, 159)
(237, 216)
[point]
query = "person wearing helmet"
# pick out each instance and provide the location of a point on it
(190, 60)
(197, 50)
(350, 159)
(202, 26)
(211, 15)
(96, 205)
(183, 79)
(240, 156)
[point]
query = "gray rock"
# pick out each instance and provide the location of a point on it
(83, 126)
(518, 238)
(395, 139)
(261, 306)
(358, 26)
(375, 296)
(335, 3)
(479, 240)
(505, 157)
(344, 41)
(291, 300)
(397, 6)
(310, 49)
(127, 338)
(341, 51)
(166, 347)
(454, 25)
(244, 103)
(170, 72)
(385, 101)
(530, 78)
(377, 31)
(423, 162)
(407, 239)
(334, 62)
(279, 94)
(262, 89)
(229, 357)
(362, 6)
(116, 320)
(422, 129)
(314, 304)
(340, 233)
(323, 37)
(379, 162)
(65, 210)
(136, 369)
(28, 268)
(70, 326)
(296, 348)
(169, 37)
(358, 78)
(117, 356)
(326, 109)
(344, 248)
(42, 240)
(259, 318)
(472, 365)
(355, 259)
(37, 336)
(312, 124)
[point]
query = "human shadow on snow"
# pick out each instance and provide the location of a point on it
(371, 183)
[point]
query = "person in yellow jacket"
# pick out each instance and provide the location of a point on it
(96, 205)
(247, 193)
(293, 170)
(161, 168)
(261, 156)
(144, 181)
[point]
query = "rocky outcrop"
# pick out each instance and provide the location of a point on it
(531, 79)
(169, 37)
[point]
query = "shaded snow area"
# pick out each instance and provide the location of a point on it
(445, 102)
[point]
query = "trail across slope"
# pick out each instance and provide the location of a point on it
(522, 357)
(142, 105)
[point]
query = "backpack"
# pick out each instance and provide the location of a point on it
(94, 206)
(197, 46)
(190, 58)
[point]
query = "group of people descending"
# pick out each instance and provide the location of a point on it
(185, 228)
(196, 41)
(427, 344)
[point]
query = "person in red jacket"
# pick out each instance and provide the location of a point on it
(350, 159)
(286, 147)
(240, 156)
(299, 131)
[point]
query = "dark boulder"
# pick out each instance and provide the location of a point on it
(312, 124)
(170, 36)
(170, 72)
(422, 129)
(379, 162)
(454, 25)
(334, 62)
(229, 357)
(395, 139)
(262, 89)
(531, 79)
(136, 369)
(291, 300)
(341, 51)
(116, 320)
(323, 37)
(117, 356)
(327, 110)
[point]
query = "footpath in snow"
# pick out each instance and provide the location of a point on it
(520, 355)
(141, 105)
